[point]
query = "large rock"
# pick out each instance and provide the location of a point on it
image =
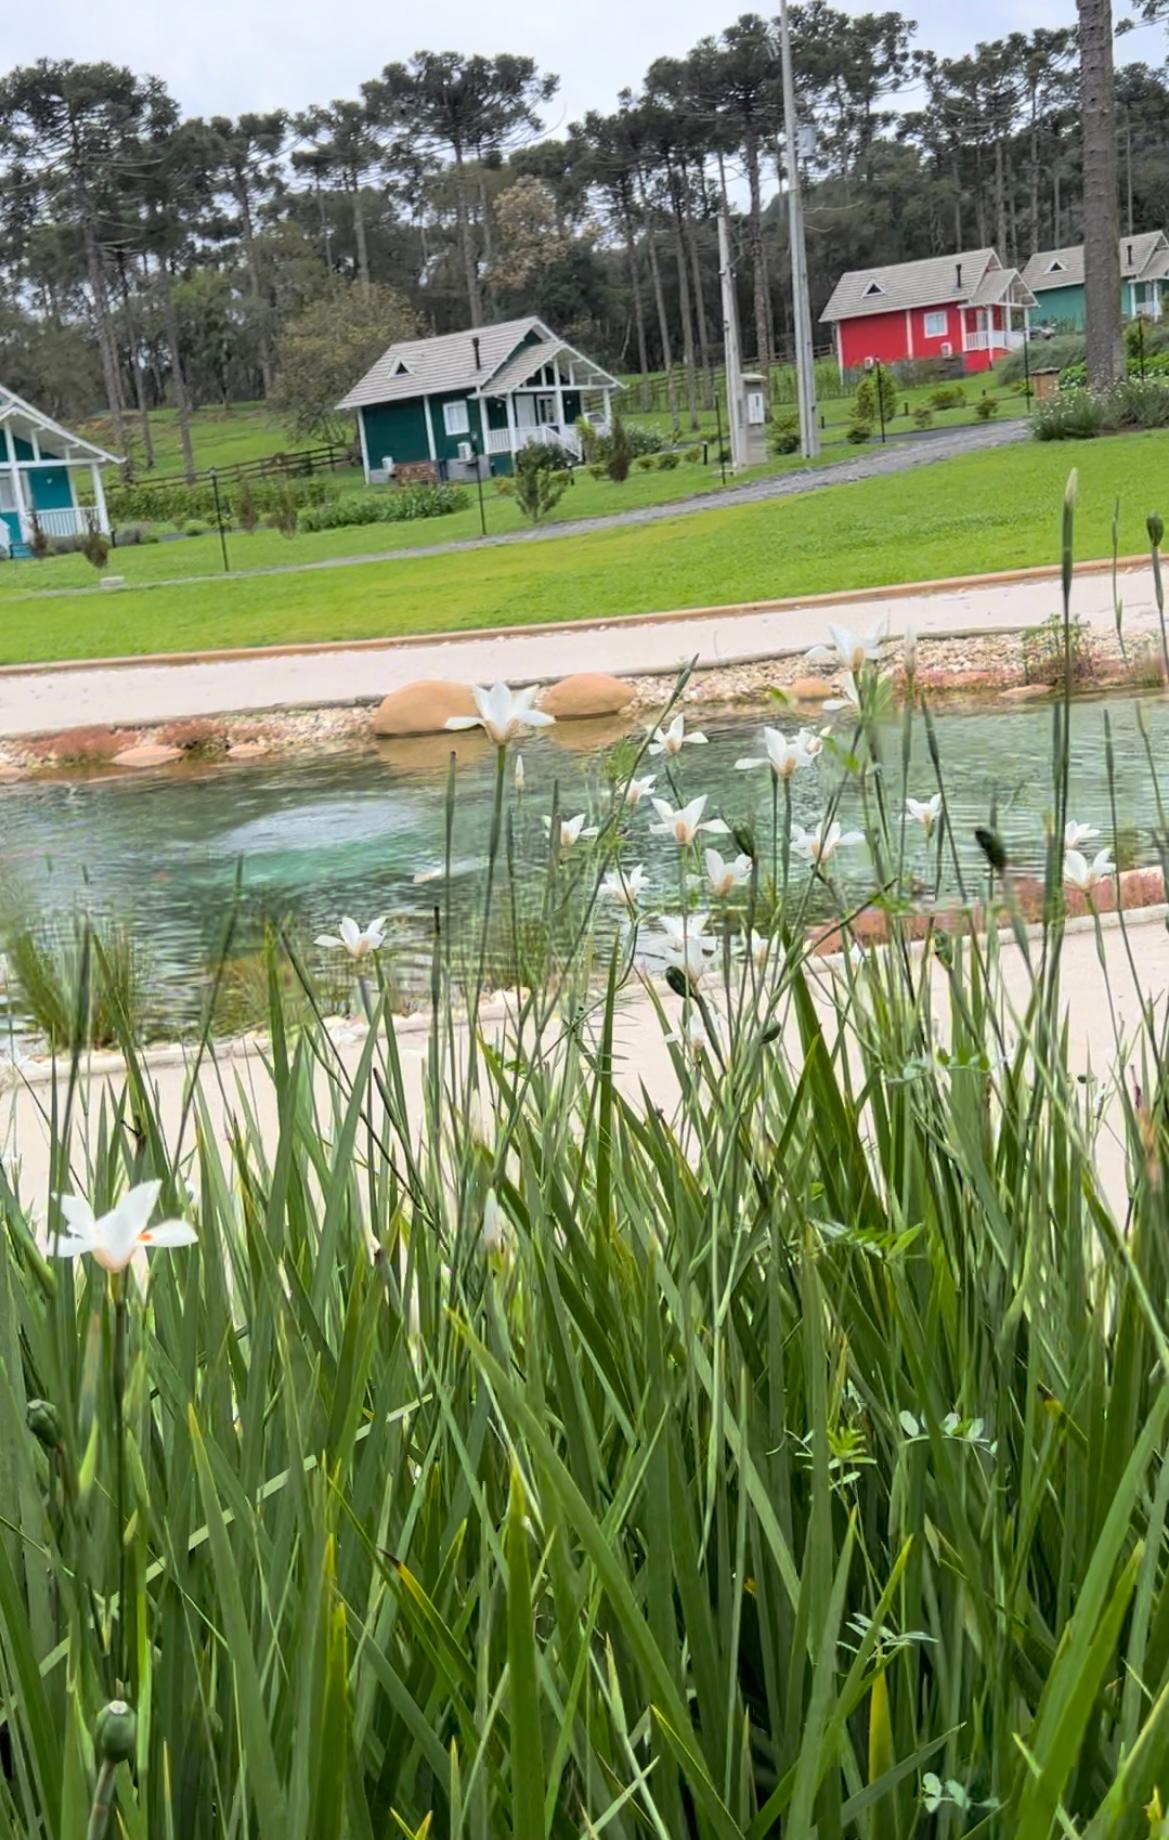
(586, 693)
(421, 708)
(147, 754)
(810, 689)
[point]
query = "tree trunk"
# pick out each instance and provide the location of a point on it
(638, 306)
(660, 302)
(763, 338)
(182, 403)
(1000, 204)
(466, 242)
(255, 287)
(699, 305)
(1033, 225)
(133, 331)
(105, 334)
(1103, 338)
(684, 309)
(359, 237)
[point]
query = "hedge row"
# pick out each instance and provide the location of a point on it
(400, 506)
(176, 503)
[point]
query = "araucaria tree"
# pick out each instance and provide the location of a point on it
(1102, 315)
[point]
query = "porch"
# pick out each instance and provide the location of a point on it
(513, 439)
(541, 395)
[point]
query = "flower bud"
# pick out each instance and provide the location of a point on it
(116, 1731)
(1156, 528)
(678, 981)
(744, 838)
(992, 848)
(43, 1422)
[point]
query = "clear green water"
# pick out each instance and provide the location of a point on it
(348, 834)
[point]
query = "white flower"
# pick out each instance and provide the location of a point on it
(811, 742)
(572, 830)
(503, 713)
(854, 649)
(1075, 834)
(782, 756)
(673, 739)
(358, 941)
(850, 697)
(520, 775)
(757, 947)
(684, 942)
(690, 1034)
(925, 812)
(1079, 873)
(724, 877)
(684, 824)
(637, 789)
(819, 846)
(114, 1238)
(495, 1230)
(625, 885)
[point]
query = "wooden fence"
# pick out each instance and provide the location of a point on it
(329, 457)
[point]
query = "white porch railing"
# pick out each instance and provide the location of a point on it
(70, 521)
(993, 338)
(552, 434)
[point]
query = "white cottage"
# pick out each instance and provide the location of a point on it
(39, 465)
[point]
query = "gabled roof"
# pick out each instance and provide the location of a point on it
(443, 363)
(1002, 284)
(14, 410)
(517, 370)
(929, 283)
(1053, 268)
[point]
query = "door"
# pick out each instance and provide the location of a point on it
(525, 411)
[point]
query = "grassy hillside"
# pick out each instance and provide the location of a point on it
(221, 437)
(991, 510)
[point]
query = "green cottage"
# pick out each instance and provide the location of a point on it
(1056, 278)
(39, 463)
(429, 407)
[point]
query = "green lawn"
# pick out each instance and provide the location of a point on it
(220, 437)
(992, 510)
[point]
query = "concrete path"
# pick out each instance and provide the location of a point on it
(1093, 995)
(903, 455)
(35, 701)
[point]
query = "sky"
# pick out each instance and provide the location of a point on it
(228, 56)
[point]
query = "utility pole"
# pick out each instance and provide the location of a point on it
(801, 310)
(736, 409)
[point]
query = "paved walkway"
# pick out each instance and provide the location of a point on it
(901, 456)
(35, 701)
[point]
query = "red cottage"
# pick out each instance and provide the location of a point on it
(967, 308)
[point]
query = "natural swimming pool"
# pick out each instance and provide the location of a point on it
(310, 840)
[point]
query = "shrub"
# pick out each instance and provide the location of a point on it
(1138, 402)
(599, 469)
(196, 527)
(858, 432)
(81, 988)
(620, 454)
(505, 484)
(948, 396)
(985, 408)
(692, 456)
(38, 541)
(175, 502)
(247, 512)
(95, 544)
(1069, 415)
(867, 403)
(645, 463)
(126, 536)
(396, 505)
(923, 416)
(1043, 651)
(285, 513)
(635, 436)
(197, 735)
(785, 435)
(79, 746)
(1043, 354)
(667, 461)
(539, 481)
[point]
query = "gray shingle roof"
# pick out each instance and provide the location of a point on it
(443, 363)
(1052, 268)
(518, 370)
(908, 284)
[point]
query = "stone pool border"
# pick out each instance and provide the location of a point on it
(98, 1065)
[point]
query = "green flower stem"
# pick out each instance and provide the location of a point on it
(117, 1285)
(102, 1805)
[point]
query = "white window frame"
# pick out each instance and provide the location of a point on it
(873, 289)
(456, 417)
(936, 324)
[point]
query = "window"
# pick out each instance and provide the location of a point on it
(874, 287)
(935, 325)
(454, 418)
(1056, 268)
(401, 368)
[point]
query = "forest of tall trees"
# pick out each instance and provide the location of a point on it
(148, 258)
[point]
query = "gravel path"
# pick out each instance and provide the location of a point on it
(902, 456)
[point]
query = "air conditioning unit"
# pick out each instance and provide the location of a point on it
(945, 349)
(466, 450)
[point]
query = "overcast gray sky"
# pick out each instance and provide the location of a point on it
(225, 56)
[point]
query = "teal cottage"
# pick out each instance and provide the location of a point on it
(428, 407)
(1056, 278)
(39, 466)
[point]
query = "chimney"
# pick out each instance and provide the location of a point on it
(957, 274)
(475, 349)
(1129, 256)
